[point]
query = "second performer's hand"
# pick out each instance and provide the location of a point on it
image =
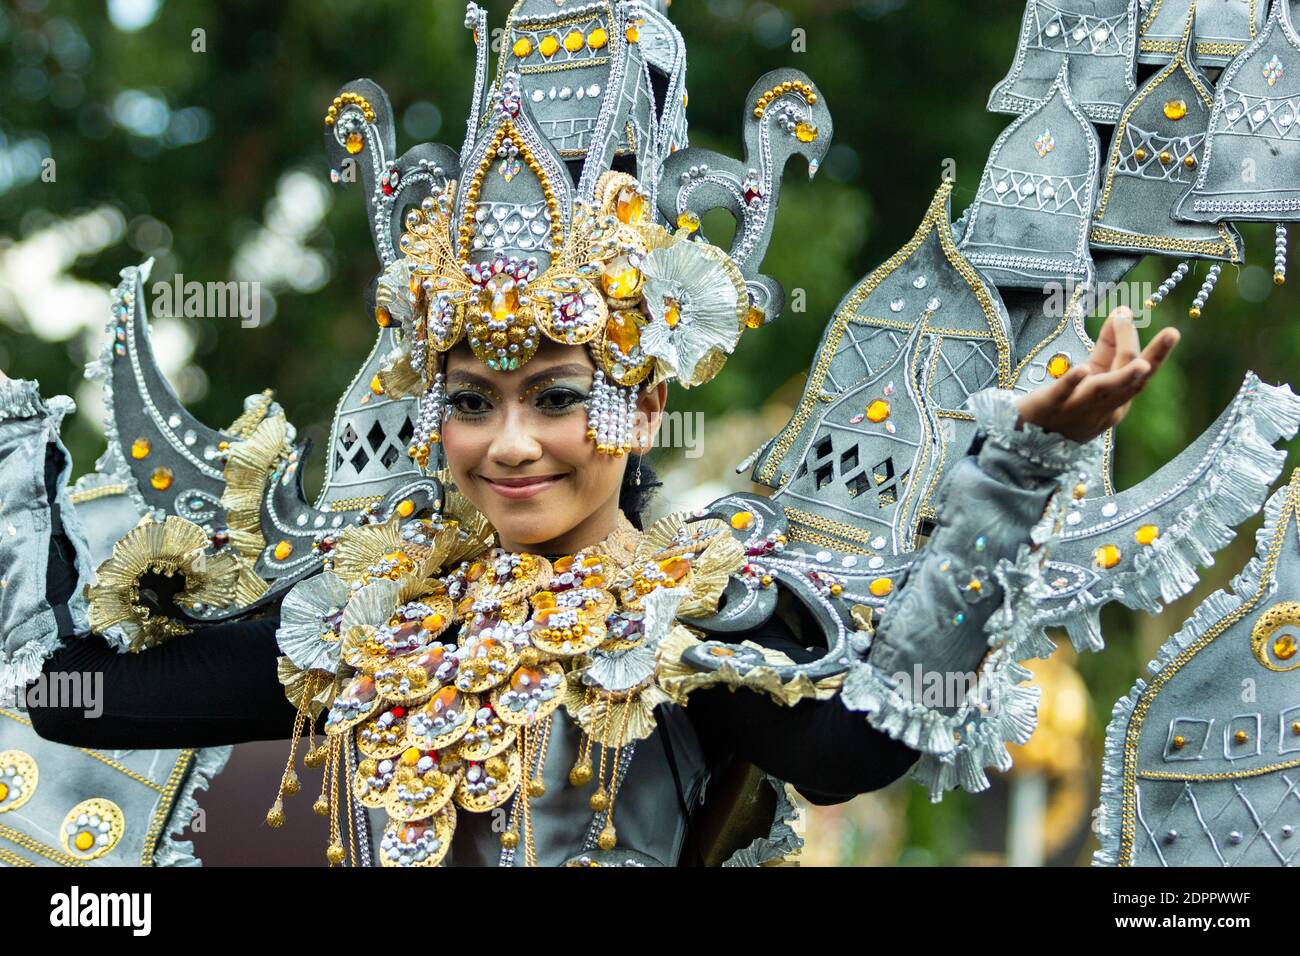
(1095, 395)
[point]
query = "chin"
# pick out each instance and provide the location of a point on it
(528, 532)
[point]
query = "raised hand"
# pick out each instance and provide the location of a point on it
(1095, 395)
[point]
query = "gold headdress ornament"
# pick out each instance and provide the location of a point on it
(649, 304)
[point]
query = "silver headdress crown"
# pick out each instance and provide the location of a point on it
(571, 212)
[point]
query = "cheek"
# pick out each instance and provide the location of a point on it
(464, 446)
(595, 475)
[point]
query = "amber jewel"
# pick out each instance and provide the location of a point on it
(1107, 556)
(630, 206)
(623, 332)
(621, 279)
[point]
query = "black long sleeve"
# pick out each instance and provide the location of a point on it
(215, 686)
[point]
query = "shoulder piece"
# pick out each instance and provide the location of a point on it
(1193, 776)
(1141, 546)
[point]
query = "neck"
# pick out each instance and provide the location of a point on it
(591, 531)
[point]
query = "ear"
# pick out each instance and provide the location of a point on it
(650, 412)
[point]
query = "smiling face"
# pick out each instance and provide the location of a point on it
(517, 447)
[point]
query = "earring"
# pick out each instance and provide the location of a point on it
(636, 479)
(432, 413)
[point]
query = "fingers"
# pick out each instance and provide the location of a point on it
(1061, 389)
(1116, 387)
(1127, 344)
(1104, 351)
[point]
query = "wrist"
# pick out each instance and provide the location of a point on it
(998, 414)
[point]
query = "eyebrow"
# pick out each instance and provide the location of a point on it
(555, 371)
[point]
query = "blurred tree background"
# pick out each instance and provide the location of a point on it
(211, 162)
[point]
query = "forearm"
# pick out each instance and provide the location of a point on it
(942, 673)
(825, 751)
(989, 505)
(215, 686)
(828, 753)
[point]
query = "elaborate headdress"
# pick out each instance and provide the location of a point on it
(548, 225)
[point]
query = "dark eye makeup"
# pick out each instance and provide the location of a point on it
(468, 402)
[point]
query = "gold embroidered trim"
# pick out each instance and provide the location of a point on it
(94, 494)
(18, 838)
(1205, 48)
(13, 859)
(163, 810)
(354, 504)
(1225, 775)
(1131, 240)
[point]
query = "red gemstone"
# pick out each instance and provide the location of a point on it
(399, 712)
(752, 193)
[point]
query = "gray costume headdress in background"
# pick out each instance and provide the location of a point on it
(1029, 223)
(1250, 170)
(1099, 37)
(887, 393)
(1223, 29)
(1157, 146)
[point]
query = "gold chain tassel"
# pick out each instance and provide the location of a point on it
(289, 782)
(608, 837)
(580, 774)
(335, 851)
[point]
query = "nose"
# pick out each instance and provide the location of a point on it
(514, 444)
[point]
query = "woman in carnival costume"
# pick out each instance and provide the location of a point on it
(508, 667)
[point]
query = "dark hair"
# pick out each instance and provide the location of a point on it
(634, 499)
